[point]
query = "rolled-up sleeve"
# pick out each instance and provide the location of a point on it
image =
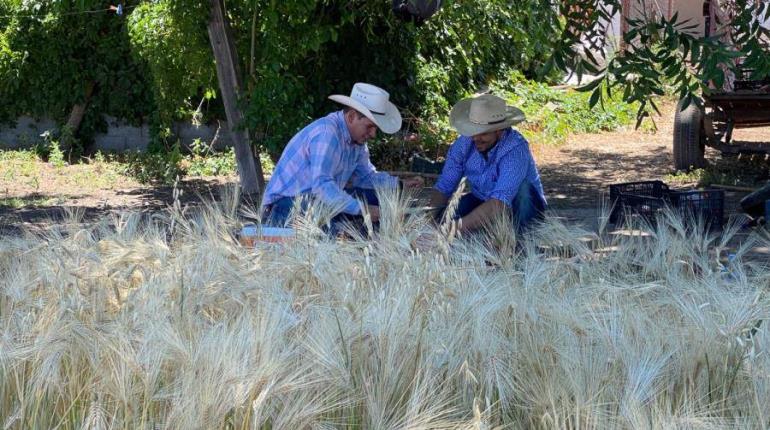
(454, 168)
(511, 172)
(366, 175)
(324, 156)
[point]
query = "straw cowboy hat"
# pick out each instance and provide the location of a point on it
(483, 114)
(373, 102)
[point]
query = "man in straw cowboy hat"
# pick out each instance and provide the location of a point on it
(321, 158)
(495, 160)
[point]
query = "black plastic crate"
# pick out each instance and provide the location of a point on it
(646, 196)
(708, 205)
(423, 165)
(647, 207)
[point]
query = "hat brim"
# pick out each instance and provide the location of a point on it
(389, 122)
(459, 119)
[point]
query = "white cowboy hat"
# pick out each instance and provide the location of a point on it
(483, 114)
(373, 102)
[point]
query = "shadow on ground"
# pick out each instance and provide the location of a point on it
(575, 190)
(584, 181)
(35, 211)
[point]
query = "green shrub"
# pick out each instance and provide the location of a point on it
(553, 114)
(56, 156)
(161, 167)
(52, 58)
(155, 63)
(202, 161)
(430, 139)
(49, 149)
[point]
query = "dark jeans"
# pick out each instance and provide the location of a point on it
(527, 206)
(277, 214)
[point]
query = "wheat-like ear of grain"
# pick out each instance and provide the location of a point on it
(163, 320)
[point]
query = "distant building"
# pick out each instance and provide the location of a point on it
(696, 11)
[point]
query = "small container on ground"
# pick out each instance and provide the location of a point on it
(251, 235)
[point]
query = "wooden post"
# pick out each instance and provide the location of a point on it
(226, 57)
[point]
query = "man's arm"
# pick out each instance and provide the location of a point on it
(482, 215)
(437, 198)
(452, 173)
(366, 176)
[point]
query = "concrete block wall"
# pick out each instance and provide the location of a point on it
(26, 132)
(120, 136)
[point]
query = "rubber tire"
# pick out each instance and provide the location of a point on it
(689, 139)
(754, 203)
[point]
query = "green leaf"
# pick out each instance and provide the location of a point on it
(591, 85)
(595, 96)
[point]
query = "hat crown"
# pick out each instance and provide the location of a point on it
(373, 98)
(487, 109)
(374, 103)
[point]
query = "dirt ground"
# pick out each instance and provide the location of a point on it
(575, 176)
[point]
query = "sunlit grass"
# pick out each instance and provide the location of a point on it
(20, 202)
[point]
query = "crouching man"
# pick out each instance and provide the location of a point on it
(320, 160)
(495, 160)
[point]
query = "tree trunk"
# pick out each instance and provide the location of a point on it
(250, 172)
(76, 118)
(79, 110)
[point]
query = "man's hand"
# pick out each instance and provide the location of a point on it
(437, 199)
(483, 214)
(374, 212)
(426, 241)
(413, 182)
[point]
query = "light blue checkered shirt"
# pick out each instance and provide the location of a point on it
(320, 160)
(498, 176)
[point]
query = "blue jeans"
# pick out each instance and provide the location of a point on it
(527, 206)
(277, 214)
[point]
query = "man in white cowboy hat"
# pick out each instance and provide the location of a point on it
(321, 158)
(495, 160)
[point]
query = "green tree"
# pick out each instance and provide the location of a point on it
(73, 67)
(155, 61)
(661, 50)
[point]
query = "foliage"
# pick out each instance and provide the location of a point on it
(744, 171)
(429, 139)
(20, 202)
(553, 114)
(26, 169)
(56, 156)
(154, 63)
(155, 166)
(661, 49)
(158, 64)
(295, 53)
(178, 57)
(52, 58)
(203, 162)
(18, 166)
(166, 167)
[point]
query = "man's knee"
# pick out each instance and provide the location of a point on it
(528, 205)
(277, 214)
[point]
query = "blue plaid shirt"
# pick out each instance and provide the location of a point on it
(508, 164)
(320, 160)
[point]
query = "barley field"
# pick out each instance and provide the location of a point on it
(165, 321)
